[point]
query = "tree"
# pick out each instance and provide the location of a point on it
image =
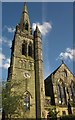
(52, 113)
(9, 102)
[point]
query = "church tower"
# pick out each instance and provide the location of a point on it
(25, 73)
(39, 80)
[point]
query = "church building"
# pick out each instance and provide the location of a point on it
(60, 90)
(28, 91)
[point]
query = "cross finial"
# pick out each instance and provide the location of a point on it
(24, 3)
(62, 61)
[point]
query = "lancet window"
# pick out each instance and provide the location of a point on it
(26, 102)
(30, 49)
(61, 93)
(27, 49)
(72, 91)
(24, 49)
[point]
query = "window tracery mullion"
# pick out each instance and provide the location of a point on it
(62, 94)
(59, 94)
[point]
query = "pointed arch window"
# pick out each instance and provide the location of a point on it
(30, 50)
(71, 93)
(72, 90)
(24, 49)
(61, 93)
(26, 102)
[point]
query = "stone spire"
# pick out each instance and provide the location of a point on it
(25, 22)
(37, 32)
(25, 8)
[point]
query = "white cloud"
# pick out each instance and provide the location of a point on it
(6, 41)
(4, 62)
(69, 54)
(6, 65)
(2, 56)
(10, 29)
(44, 28)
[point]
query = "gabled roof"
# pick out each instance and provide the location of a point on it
(58, 68)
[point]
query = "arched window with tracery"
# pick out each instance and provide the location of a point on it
(72, 91)
(26, 102)
(30, 49)
(61, 93)
(24, 49)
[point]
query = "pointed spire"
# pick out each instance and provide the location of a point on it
(25, 8)
(25, 22)
(37, 32)
(37, 29)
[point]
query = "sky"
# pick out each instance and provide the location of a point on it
(55, 21)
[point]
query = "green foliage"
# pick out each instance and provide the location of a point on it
(52, 111)
(9, 102)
